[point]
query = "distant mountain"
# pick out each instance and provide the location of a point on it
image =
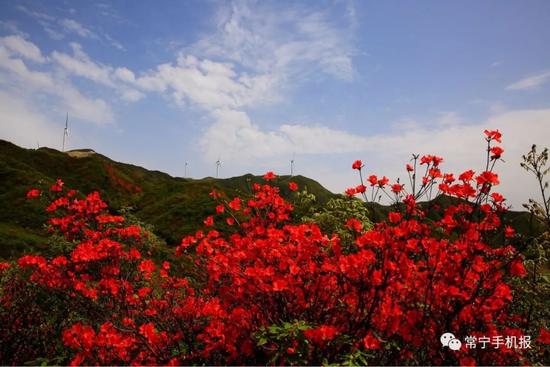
(174, 206)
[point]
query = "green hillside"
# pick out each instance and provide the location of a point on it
(174, 206)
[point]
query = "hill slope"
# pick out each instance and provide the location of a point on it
(174, 206)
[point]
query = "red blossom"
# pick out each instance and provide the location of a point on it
(466, 176)
(397, 188)
(293, 186)
(358, 164)
(509, 232)
(487, 177)
(373, 180)
(371, 342)
(544, 336)
(496, 152)
(351, 192)
(354, 225)
(235, 204)
(360, 189)
(383, 181)
(33, 193)
(394, 217)
(321, 334)
(517, 269)
(493, 135)
(269, 176)
(58, 186)
(209, 221)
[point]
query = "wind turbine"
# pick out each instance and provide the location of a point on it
(66, 131)
(185, 172)
(218, 165)
(292, 165)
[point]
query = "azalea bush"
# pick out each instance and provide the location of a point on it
(270, 289)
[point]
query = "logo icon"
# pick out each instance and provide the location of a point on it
(449, 340)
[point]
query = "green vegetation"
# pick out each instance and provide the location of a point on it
(174, 207)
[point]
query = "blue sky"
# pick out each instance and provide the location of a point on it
(159, 83)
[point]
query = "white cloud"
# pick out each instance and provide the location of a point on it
(208, 84)
(72, 26)
(35, 14)
(125, 74)
(11, 26)
(235, 136)
(291, 41)
(114, 42)
(18, 45)
(57, 28)
(80, 64)
(23, 126)
(52, 33)
(31, 83)
(131, 95)
(246, 146)
(530, 82)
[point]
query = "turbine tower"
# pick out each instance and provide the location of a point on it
(185, 172)
(66, 131)
(292, 165)
(218, 165)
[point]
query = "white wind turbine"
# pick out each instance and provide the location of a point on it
(185, 172)
(66, 131)
(218, 166)
(292, 165)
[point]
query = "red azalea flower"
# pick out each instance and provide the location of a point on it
(209, 221)
(360, 189)
(371, 342)
(357, 164)
(293, 186)
(373, 180)
(487, 177)
(34, 193)
(497, 198)
(496, 152)
(509, 232)
(269, 176)
(321, 334)
(383, 181)
(517, 269)
(397, 188)
(351, 192)
(467, 361)
(58, 186)
(354, 225)
(544, 336)
(394, 217)
(235, 204)
(466, 176)
(493, 135)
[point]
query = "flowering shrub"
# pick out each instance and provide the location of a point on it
(270, 290)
